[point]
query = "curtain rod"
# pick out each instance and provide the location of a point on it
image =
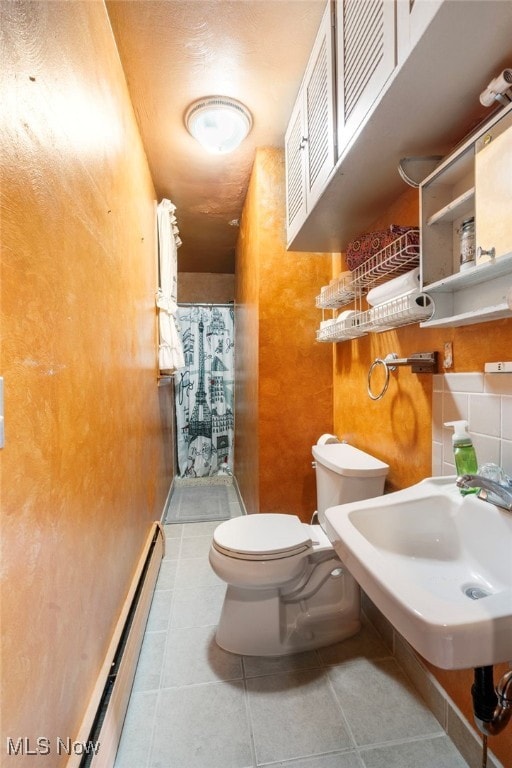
(199, 304)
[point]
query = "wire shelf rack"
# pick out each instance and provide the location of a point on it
(342, 330)
(336, 295)
(396, 259)
(404, 310)
(400, 256)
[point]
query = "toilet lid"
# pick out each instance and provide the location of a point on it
(344, 459)
(262, 536)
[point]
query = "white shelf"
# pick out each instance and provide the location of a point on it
(476, 295)
(397, 258)
(481, 273)
(461, 205)
(496, 312)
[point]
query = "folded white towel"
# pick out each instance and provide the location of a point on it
(344, 316)
(399, 286)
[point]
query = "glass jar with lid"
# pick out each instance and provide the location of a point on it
(467, 243)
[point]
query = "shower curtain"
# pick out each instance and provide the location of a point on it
(205, 390)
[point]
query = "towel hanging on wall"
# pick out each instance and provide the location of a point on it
(170, 348)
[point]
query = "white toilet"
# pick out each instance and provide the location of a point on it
(287, 589)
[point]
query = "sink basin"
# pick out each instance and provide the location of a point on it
(438, 565)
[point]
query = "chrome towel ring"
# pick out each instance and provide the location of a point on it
(421, 362)
(384, 362)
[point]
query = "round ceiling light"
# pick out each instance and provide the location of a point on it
(218, 123)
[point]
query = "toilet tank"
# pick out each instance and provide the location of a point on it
(344, 474)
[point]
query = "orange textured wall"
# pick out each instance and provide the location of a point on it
(397, 429)
(88, 458)
(286, 393)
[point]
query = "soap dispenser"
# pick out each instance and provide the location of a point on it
(463, 452)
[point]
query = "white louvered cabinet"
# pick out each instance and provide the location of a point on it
(365, 52)
(406, 74)
(310, 138)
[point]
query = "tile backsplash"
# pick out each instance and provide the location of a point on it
(485, 401)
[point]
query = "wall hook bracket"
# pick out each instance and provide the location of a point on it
(420, 362)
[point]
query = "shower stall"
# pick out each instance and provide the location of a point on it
(205, 391)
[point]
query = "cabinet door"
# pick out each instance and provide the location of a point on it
(493, 191)
(295, 162)
(365, 45)
(412, 20)
(319, 110)
(310, 148)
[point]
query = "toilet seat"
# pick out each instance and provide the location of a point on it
(265, 536)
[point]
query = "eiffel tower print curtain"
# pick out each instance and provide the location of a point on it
(204, 391)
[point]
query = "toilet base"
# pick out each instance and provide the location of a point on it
(262, 623)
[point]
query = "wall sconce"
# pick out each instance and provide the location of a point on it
(218, 123)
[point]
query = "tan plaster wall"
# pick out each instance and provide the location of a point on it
(88, 457)
(284, 391)
(206, 287)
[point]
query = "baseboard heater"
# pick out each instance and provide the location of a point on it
(103, 721)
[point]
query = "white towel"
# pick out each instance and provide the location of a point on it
(411, 305)
(343, 316)
(399, 286)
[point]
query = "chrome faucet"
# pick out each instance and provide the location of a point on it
(490, 490)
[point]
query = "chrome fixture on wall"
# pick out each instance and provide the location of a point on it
(490, 490)
(420, 362)
(498, 90)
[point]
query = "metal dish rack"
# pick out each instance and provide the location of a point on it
(400, 256)
(337, 294)
(342, 330)
(404, 310)
(396, 259)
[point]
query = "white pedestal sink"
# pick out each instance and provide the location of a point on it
(439, 567)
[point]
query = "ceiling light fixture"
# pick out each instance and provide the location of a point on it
(218, 123)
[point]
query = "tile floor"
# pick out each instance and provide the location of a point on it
(196, 706)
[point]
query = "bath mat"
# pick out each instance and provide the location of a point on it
(198, 504)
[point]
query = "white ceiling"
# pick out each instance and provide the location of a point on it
(175, 51)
